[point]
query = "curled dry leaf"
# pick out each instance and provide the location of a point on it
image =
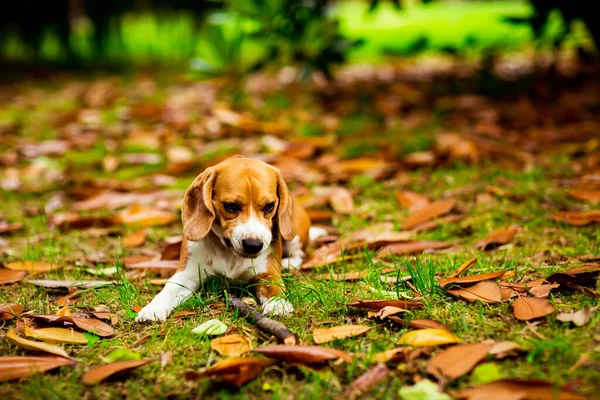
(463, 267)
(135, 239)
(10, 310)
(396, 249)
(471, 279)
(586, 275)
(31, 267)
(91, 325)
(367, 381)
(542, 291)
(517, 389)
(428, 337)
(386, 312)
(338, 332)
(145, 216)
(341, 201)
(10, 276)
(98, 374)
(428, 212)
(527, 308)
(486, 291)
(426, 324)
(64, 312)
(578, 218)
(505, 349)
(379, 304)
(579, 318)
(590, 196)
(302, 354)
(457, 361)
(231, 345)
(18, 367)
(56, 335)
(237, 370)
(411, 200)
(27, 344)
(497, 238)
(397, 354)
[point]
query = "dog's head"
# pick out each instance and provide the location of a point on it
(245, 202)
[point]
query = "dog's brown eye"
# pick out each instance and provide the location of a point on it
(232, 207)
(268, 208)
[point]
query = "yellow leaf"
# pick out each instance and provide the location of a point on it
(338, 332)
(135, 239)
(14, 338)
(231, 345)
(64, 312)
(56, 335)
(428, 337)
(145, 216)
(33, 267)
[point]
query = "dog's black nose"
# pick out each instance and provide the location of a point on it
(252, 246)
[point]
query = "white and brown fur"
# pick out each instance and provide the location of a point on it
(216, 240)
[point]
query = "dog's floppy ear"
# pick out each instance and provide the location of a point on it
(197, 213)
(285, 211)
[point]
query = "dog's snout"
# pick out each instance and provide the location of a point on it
(252, 246)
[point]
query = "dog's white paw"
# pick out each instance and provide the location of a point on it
(152, 313)
(277, 306)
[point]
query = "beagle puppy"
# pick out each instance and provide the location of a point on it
(239, 220)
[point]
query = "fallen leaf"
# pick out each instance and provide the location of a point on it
(10, 276)
(5, 227)
(397, 354)
(212, 327)
(517, 389)
(396, 249)
(57, 284)
(319, 215)
(237, 370)
(386, 312)
(56, 335)
(19, 367)
(577, 218)
(590, 196)
(91, 325)
(347, 276)
(423, 390)
(527, 308)
(579, 318)
(70, 220)
(428, 337)
(145, 216)
(379, 304)
(542, 291)
(472, 278)
(135, 239)
(457, 361)
(486, 291)
(10, 310)
(27, 344)
(463, 267)
(108, 271)
(426, 324)
(585, 275)
(505, 349)
(32, 267)
(302, 354)
(367, 381)
(341, 201)
(171, 251)
(497, 238)
(231, 345)
(338, 332)
(428, 212)
(411, 200)
(123, 355)
(98, 374)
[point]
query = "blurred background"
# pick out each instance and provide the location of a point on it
(234, 37)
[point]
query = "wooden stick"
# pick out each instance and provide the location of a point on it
(264, 323)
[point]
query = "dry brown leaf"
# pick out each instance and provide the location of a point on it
(579, 318)
(145, 216)
(346, 276)
(590, 196)
(135, 239)
(31, 267)
(64, 312)
(428, 337)
(10, 310)
(56, 335)
(91, 325)
(497, 238)
(471, 279)
(58, 284)
(505, 349)
(411, 200)
(319, 215)
(516, 389)
(458, 360)
(302, 354)
(231, 345)
(341, 201)
(10, 276)
(426, 324)
(527, 308)
(27, 344)
(237, 370)
(396, 249)
(367, 381)
(586, 275)
(486, 291)
(397, 354)
(18, 367)
(578, 218)
(338, 332)
(463, 267)
(70, 220)
(543, 291)
(379, 304)
(98, 374)
(428, 212)
(386, 312)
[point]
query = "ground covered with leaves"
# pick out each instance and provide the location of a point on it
(461, 259)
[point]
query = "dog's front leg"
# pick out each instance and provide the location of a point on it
(269, 290)
(177, 289)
